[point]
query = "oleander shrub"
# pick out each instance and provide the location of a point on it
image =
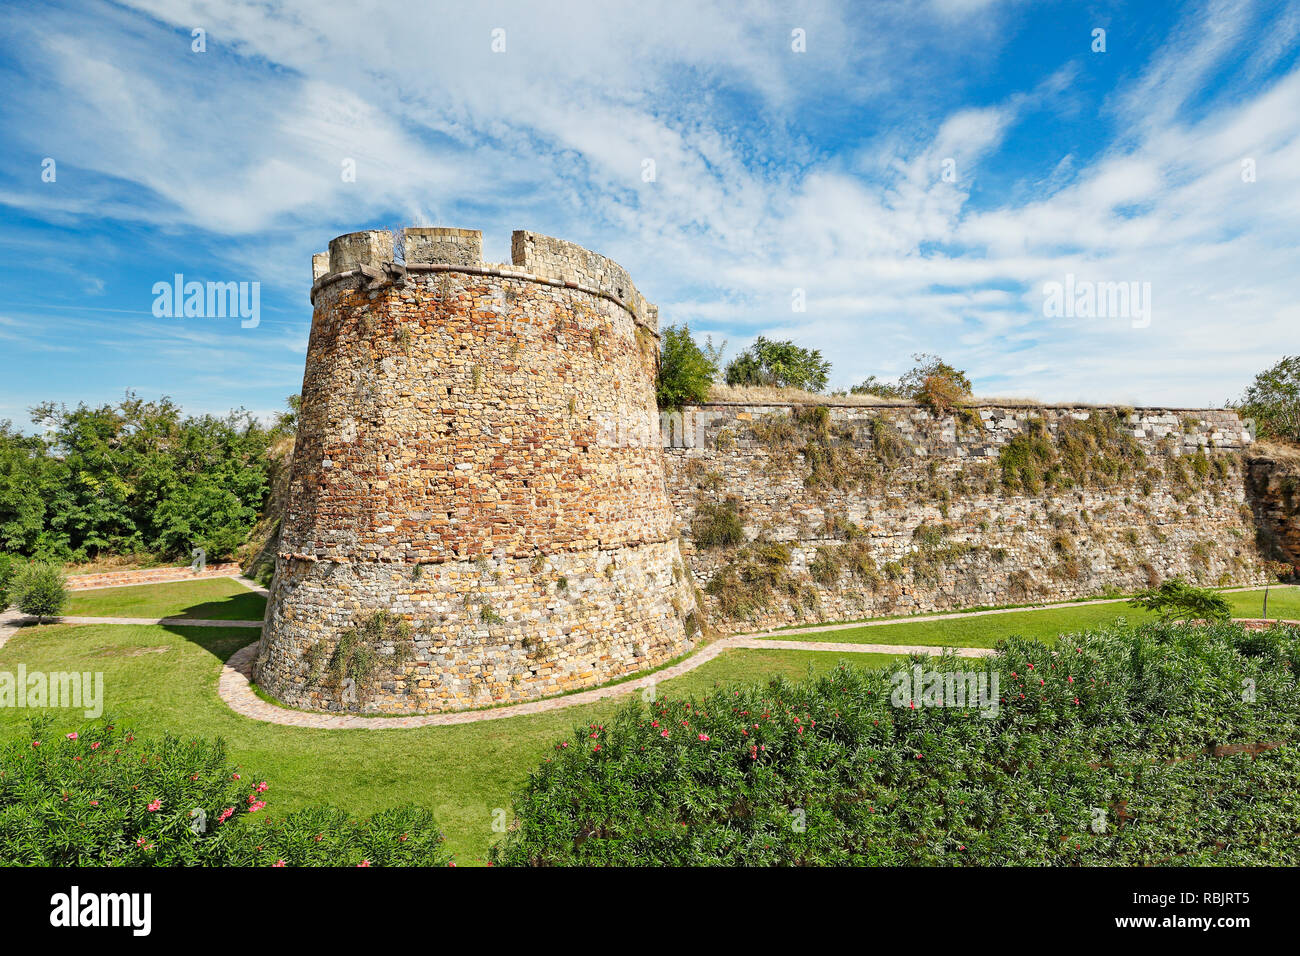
(1157, 744)
(101, 796)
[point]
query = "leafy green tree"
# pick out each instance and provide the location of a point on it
(1273, 401)
(685, 369)
(874, 386)
(1176, 599)
(23, 466)
(40, 588)
(8, 568)
(780, 365)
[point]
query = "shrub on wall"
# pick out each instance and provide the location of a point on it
(686, 370)
(100, 796)
(780, 365)
(1273, 401)
(1102, 750)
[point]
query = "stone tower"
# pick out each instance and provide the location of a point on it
(478, 454)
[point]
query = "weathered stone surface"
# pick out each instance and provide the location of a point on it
(994, 547)
(451, 468)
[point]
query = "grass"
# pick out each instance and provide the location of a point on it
(163, 679)
(219, 599)
(986, 630)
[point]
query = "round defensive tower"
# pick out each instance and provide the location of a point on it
(478, 456)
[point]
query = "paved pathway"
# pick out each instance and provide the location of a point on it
(234, 688)
(958, 615)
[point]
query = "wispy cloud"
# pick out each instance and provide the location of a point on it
(919, 174)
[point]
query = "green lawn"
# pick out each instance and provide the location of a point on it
(220, 599)
(986, 630)
(159, 679)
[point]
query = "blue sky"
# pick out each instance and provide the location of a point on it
(775, 170)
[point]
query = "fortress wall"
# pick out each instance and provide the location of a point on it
(857, 534)
(454, 467)
(1274, 491)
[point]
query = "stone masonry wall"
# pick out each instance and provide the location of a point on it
(850, 511)
(1274, 491)
(453, 468)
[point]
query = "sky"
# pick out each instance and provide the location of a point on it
(872, 180)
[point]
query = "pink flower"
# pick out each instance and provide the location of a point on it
(36, 743)
(257, 806)
(95, 745)
(94, 803)
(663, 733)
(278, 863)
(72, 736)
(226, 814)
(704, 736)
(364, 863)
(262, 787)
(155, 806)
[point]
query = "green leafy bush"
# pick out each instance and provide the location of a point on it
(1273, 401)
(931, 382)
(40, 588)
(99, 796)
(1176, 599)
(8, 568)
(134, 477)
(717, 525)
(1161, 744)
(685, 369)
(780, 365)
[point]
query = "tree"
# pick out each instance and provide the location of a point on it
(24, 462)
(40, 589)
(779, 365)
(685, 369)
(8, 568)
(931, 382)
(1177, 599)
(1273, 401)
(873, 386)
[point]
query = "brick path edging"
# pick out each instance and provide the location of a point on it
(117, 579)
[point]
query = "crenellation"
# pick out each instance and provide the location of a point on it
(372, 247)
(458, 247)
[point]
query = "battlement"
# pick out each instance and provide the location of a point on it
(443, 249)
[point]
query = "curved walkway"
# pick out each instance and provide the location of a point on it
(234, 688)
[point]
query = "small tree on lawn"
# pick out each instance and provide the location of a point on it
(41, 589)
(1176, 599)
